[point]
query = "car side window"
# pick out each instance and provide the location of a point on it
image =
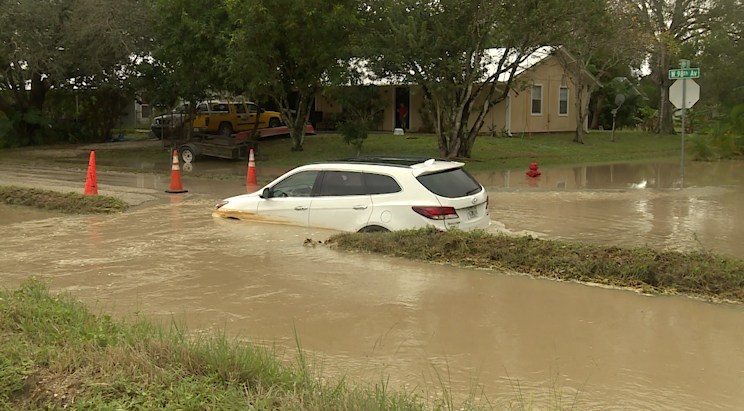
(252, 108)
(201, 108)
(342, 183)
(380, 184)
(221, 108)
(296, 185)
(240, 108)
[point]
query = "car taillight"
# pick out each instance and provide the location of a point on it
(206, 121)
(487, 202)
(437, 213)
(220, 205)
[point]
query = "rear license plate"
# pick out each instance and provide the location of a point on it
(471, 212)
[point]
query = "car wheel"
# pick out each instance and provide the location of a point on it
(274, 122)
(187, 155)
(373, 229)
(225, 129)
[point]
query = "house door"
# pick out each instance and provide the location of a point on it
(402, 107)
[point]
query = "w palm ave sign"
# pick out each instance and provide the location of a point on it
(683, 94)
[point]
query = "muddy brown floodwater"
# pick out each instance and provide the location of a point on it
(627, 205)
(368, 316)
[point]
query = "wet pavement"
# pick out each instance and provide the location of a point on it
(367, 316)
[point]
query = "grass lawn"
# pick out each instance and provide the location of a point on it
(490, 153)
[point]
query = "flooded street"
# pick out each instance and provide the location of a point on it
(627, 205)
(368, 316)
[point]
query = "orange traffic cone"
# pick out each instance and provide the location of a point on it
(250, 180)
(175, 186)
(91, 185)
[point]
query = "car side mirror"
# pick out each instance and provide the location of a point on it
(263, 110)
(267, 193)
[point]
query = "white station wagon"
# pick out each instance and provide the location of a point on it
(369, 194)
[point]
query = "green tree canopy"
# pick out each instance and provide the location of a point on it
(290, 50)
(671, 24)
(189, 52)
(599, 36)
(443, 46)
(47, 44)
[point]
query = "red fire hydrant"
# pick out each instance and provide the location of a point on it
(533, 170)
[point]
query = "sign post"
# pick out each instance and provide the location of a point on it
(682, 75)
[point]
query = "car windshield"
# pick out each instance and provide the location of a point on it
(452, 183)
(181, 108)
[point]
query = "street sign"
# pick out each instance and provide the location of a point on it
(691, 94)
(685, 64)
(684, 73)
(684, 94)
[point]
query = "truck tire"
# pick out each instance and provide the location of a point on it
(225, 129)
(274, 122)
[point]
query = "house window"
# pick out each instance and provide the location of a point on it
(537, 99)
(563, 101)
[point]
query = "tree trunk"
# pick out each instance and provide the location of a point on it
(254, 132)
(441, 137)
(665, 124)
(296, 121)
(435, 111)
(598, 109)
(579, 104)
(192, 115)
(25, 131)
(37, 95)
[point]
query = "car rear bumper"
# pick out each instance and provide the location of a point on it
(480, 223)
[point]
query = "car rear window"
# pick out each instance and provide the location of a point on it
(379, 184)
(452, 183)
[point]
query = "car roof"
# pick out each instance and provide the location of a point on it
(419, 165)
(396, 161)
(226, 102)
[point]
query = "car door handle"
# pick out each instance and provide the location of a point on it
(301, 208)
(360, 207)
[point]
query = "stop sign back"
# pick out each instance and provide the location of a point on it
(692, 93)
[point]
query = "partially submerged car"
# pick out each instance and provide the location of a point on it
(369, 194)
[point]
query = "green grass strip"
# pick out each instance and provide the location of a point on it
(69, 203)
(695, 273)
(55, 354)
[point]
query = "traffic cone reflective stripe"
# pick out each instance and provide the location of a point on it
(250, 180)
(91, 185)
(175, 187)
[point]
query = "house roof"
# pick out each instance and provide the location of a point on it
(489, 64)
(494, 55)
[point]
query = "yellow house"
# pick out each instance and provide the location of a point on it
(541, 100)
